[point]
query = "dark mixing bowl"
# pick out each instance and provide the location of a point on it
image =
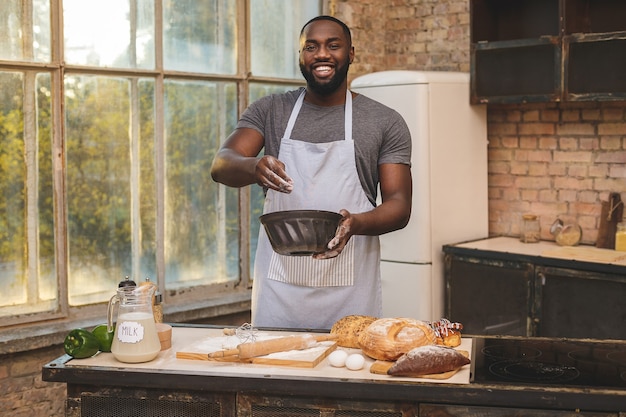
(300, 232)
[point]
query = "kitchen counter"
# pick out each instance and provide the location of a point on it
(194, 339)
(236, 389)
(547, 252)
(535, 289)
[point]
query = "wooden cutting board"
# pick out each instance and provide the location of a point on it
(305, 358)
(585, 253)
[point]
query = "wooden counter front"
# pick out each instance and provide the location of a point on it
(102, 386)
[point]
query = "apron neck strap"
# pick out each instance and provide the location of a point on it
(296, 110)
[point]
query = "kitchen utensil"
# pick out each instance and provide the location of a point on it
(300, 232)
(611, 214)
(136, 338)
(265, 347)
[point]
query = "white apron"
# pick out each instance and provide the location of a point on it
(299, 291)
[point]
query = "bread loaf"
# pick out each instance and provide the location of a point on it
(426, 360)
(389, 338)
(452, 339)
(349, 328)
(447, 333)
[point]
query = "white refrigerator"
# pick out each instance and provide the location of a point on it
(449, 169)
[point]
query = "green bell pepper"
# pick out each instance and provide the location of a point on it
(81, 343)
(104, 336)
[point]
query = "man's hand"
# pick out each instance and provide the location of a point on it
(342, 236)
(270, 173)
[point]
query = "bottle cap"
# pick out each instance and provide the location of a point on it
(126, 282)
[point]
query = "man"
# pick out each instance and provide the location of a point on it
(326, 149)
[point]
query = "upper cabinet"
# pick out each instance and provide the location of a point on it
(547, 50)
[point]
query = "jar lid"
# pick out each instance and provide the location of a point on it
(529, 217)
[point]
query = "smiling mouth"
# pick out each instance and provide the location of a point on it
(323, 70)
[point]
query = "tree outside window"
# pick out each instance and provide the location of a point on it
(108, 126)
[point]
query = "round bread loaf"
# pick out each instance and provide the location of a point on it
(389, 338)
(349, 328)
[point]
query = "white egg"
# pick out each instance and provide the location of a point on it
(338, 358)
(355, 362)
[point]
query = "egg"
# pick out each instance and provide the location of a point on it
(338, 358)
(355, 362)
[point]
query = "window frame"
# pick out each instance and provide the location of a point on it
(204, 301)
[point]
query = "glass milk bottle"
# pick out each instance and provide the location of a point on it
(136, 339)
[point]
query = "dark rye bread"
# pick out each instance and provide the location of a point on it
(426, 360)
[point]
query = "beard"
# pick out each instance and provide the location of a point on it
(330, 86)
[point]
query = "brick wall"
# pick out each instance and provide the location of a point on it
(405, 34)
(555, 160)
(22, 392)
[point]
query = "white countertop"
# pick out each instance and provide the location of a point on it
(184, 337)
(548, 249)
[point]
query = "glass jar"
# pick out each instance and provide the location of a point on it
(566, 234)
(530, 231)
(620, 237)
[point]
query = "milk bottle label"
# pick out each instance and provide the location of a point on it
(130, 332)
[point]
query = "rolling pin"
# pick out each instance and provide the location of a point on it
(265, 347)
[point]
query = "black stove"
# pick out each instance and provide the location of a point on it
(541, 361)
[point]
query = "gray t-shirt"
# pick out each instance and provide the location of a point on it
(380, 134)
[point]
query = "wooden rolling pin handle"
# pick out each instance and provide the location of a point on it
(224, 353)
(326, 337)
(253, 349)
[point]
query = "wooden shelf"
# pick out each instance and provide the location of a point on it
(595, 66)
(594, 16)
(513, 71)
(497, 20)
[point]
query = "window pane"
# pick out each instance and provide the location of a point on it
(257, 197)
(103, 132)
(46, 258)
(25, 37)
(200, 36)
(145, 238)
(109, 33)
(201, 218)
(12, 199)
(27, 274)
(275, 30)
